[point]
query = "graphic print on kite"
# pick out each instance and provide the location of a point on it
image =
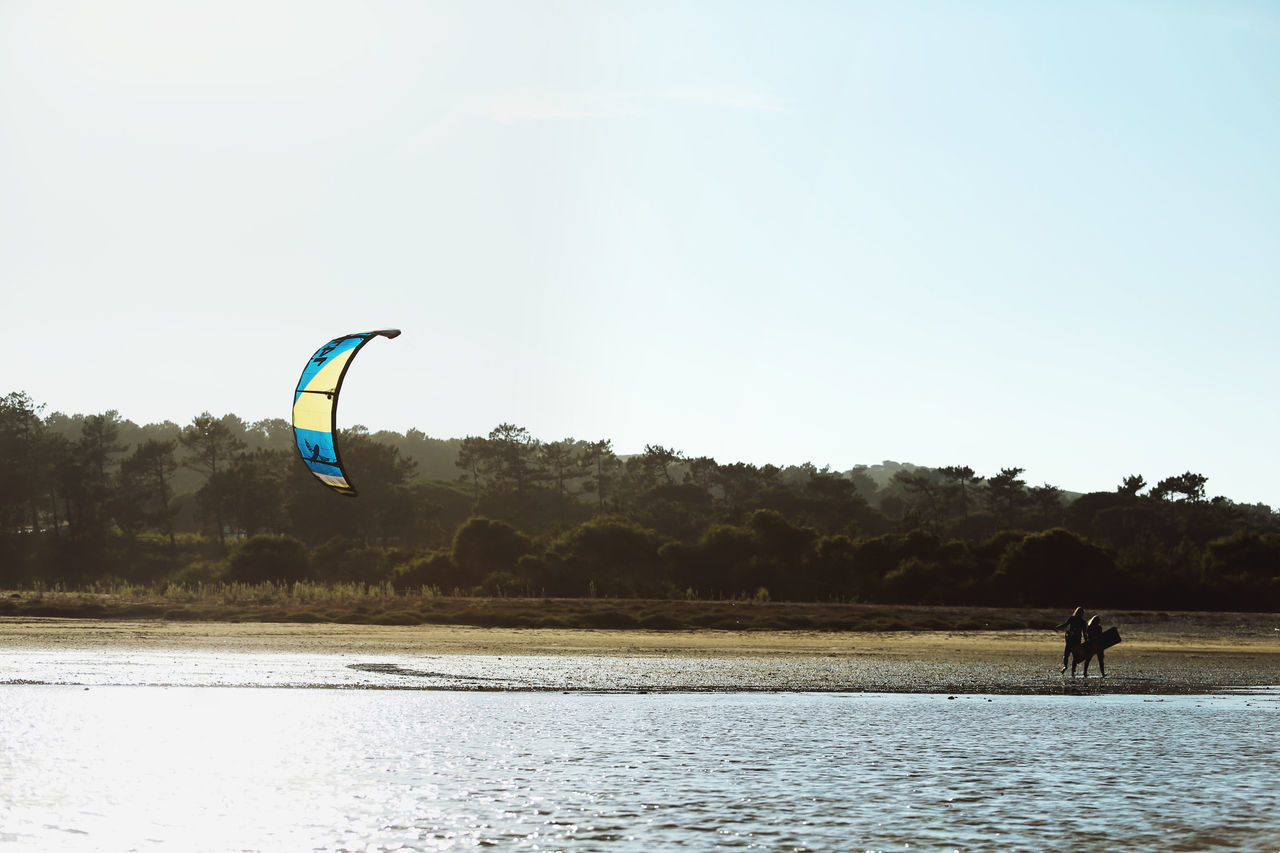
(315, 408)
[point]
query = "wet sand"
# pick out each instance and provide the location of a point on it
(1160, 654)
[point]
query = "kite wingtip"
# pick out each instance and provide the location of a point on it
(388, 333)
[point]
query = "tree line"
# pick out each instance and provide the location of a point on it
(88, 498)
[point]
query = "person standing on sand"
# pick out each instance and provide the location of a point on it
(1075, 628)
(1092, 636)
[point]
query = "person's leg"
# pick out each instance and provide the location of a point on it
(1102, 667)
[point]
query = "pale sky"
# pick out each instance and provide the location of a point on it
(999, 234)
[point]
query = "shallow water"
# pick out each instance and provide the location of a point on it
(218, 768)
(158, 665)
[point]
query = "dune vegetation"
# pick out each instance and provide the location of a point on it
(220, 514)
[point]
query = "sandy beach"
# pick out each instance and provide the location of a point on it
(1160, 654)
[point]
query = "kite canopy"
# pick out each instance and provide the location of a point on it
(315, 407)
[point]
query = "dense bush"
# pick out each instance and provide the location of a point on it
(483, 546)
(1053, 566)
(269, 558)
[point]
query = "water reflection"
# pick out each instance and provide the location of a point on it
(224, 768)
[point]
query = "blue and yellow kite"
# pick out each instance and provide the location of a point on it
(315, 407)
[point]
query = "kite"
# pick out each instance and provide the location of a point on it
(315, 408)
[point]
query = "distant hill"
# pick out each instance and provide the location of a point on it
(884, 471)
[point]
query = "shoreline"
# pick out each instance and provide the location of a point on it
(1175, 654)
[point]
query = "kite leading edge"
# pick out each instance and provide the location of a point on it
(315, 408)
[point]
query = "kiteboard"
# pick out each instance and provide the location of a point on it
(1106, 640)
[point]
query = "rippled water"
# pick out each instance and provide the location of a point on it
(294, 769)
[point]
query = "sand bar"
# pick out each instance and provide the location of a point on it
(1178, 655)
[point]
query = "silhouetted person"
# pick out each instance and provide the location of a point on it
(1092, 636)
(1075, 627)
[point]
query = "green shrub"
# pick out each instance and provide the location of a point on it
(501, 584)
(342, 559)
(201, 572)
(482, 546)
(263, 558)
